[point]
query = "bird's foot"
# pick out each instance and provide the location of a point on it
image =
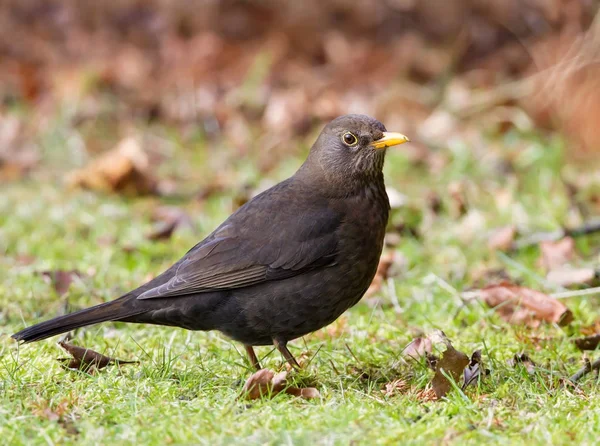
(252, 357)
(281, 346)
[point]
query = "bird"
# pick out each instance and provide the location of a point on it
(286, 263)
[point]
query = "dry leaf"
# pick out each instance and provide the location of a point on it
(457, 193)
(307, 393)
(475, 370)
(88, 360)
(588, 342)
(572, 276)
(591, 329)
(395, 387)
(260, 384)
(427, 394)
(523, 360)
(417, 348)
(453, 363)
(555, 254)
(125, 169)
(502, 239)
(169, 219)
(383, 269)
(60, 413)
(266, 383)
(520, 305)
(61, 280)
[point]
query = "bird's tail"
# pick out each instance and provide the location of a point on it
(110, 311)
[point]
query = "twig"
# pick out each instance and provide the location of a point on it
(352, 353)
(575, 293)
(587, 228)
(587, 368)
(468, 296)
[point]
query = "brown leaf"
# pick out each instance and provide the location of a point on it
(43, 410)
(169, 219)
(266, 383)
(572, 276)
(521, 305)
(453, 363)
(125, 169)
(260, 384)
(457, 193)
(475, 370)
(398, 386)
(426, 395)
(60, 413)
(591, 329)
(383, 268)
(417, 348)
(88, 360)
(523, 360)
(588, 342)
(61, 280)
(555, 254)
(307, 393)
(502, 239)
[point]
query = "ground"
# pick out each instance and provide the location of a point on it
(186, 386)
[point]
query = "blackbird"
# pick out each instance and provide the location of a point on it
(286, 263)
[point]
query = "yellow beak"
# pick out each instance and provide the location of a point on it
(389, 139)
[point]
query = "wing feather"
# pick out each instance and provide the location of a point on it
(248, 249)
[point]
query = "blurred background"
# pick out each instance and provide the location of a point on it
(252, 78)
(130, 129)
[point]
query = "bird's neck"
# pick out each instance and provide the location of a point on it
(340, 184)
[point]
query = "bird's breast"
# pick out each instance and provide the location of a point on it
(361, 234)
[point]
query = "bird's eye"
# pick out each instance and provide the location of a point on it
(349, 139)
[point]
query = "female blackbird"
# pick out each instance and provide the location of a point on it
(287, 263)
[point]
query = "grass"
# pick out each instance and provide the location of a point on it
(185, 389)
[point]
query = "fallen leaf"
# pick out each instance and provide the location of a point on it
(521, 305)
(307, 393)
(125, 169)
(169, 219)
(266, 383)
(383, 269)
(427, 394)
(43, 410)
(60, 413)
(453, 363)
(556, 254)
(457, 193)
(417, 348)
(260, 384)
(591, 329)
(88, 360)
(588, 342)
(475, 370)
(572, 276)
(502, 239)
(398, 386)
(61, 280)
(523, 360)
(25, 259)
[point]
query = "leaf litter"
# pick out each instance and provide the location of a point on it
(266, 384)
(453, 365)
(522, 305)
(88, 360)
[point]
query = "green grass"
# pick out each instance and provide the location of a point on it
(186, 386)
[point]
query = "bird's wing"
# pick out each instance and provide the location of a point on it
(270, 238)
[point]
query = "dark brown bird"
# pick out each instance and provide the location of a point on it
(285, 264)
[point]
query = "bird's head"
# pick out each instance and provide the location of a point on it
(352, 147)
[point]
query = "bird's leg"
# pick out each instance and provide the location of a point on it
(252, 357)
(281, 346)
